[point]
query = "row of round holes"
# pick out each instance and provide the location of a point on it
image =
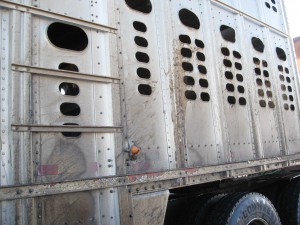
(289, 88)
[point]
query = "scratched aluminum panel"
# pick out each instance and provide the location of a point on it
(264, 82)
(144, 100)
(194, 86)
(230, 62)
(287, 92)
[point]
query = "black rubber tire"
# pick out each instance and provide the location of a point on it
(289, 209)
(242, 209)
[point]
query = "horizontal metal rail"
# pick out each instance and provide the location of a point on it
(64, 74)
(150, 182)
(64, 128)
(57, 16)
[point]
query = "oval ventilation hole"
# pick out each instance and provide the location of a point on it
(286, 106)
(241, 89)
(291, 97)
(191, 95)
(230, 87)
(274, 8)
(231, 100)
(228, 33)
(292, 107)
(284, 97)
(143, 6)
(185, 39)
(140, 41)
(240, 77)
(290, 89)
(271, 104)
(139, 26)
(266, 73)
(280, 68)
(188, 80)
(269, 94)
(262, 103)
(205, 97)
(257, 71)
(257, 44)
(142, 57)
(287, 70)
(237, 55)
(145, 89)
(228, 75)
(268, 83)
(69, 109)
(202, 69)
(69, 89)
(283, 87)
(242, 101)
(267, 5)
(187, 66)
(71, 134)
(143, 73)
(273, 1)
(67, 36)
(185, 52)
(261, 92)
(199, 43)
(281, 54)
(256, 61)
(288, 79)
(68, 67)
(227, 63)
(225, 51)
(265, 63)
(281, 77)
(238, 66)
(189, 19)
(203, 83)
(259, 82)
(200, 56)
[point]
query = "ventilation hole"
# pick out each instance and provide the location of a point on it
(273, 1)
(256, 61)
(69, 89)
(68, 66)
(261, 92)
(203, 83)
(262, 103)
(266, 73)
(291, 97)
(241, 89)
(257, 44)
(284, 97)
(237, 55)
(290, 89)
(287, 70)
(230, 87)
(231, 100)
(242, 101)
(225, 51)
(283, 87)
(140, 41)
(185, 39)
(286, 106)
(199, 43)
(200, 56)
(269, 94)
(70, 109)
(228, 33)
(271, 104)
(259, 82)
(281, 77)
(187, 66)
(268, 83)
(139, 26)
(227, 63)
(205, 97)
(281, 54)
(257, 71)
(268, 5)
(292, 107)
(238, 66)
(288, 79)
(240, 77)
(67, 36)
(265, 63)
(189, 19)
(274, 8)
(143, 6)
(142, 57)
(280, 68)
(191, 95)
(188, 80)
(145, 89)
(71, 134)
(143, 73)
(228, 75)
(185, 52)
(202, 69)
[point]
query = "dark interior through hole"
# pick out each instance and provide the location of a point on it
(203, 83)
(228, 33)
(142, 57)
(266, 73)
(290, 89)
(68, 66)
(188, 80)
(273, 1)
(200, 56)
(143, 6)
(238, 66)
(261, 92)
(265, 63)
(257, 71)
(262, 103)
(230, 87)
(231, 100)
(281, 54)
(186, 52)
(145, 89)
(268, 83)
(284, 97)
(237, 55)
(143, 73)
(274, 8)
(271, 104)
(69, 109)
(202, 69)
(281, 77)
(287, 70)
(291, 97)
(241, 89)
(242, 101)
(187, 66)
(71, 134)
(283, 87)
(269, 94)
(259, 82)
(189, 19)
(69, 89)
(240, 77)
(205, 97)
(256, 61)
(292, 107)
(286, 106)
(227, 63)
(288, 79)
(268, 5)
(257, 44)
(228, 75)
(185, 39)
(191, 95)
(139, 26)
(199, 43)
(140, 41)
(225, 51)
(280, 68)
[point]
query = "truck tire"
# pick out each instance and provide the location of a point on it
(289, 209)
(244, 209)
